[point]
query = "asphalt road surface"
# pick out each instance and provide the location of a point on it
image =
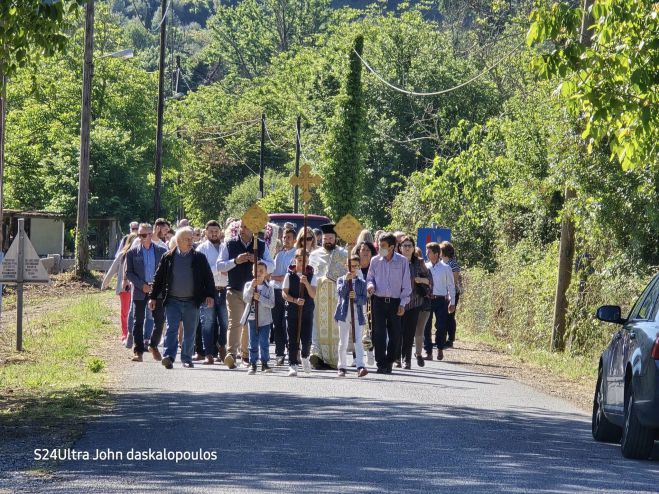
(443, 428)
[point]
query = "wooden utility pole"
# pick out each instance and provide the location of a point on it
(261, 159)
(161, 108)
(81, 242)
(296, 192)
(3, 111)
(566, 247)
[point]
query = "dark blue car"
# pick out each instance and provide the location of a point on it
(626, 403)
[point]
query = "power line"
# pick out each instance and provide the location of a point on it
(436, 93)
(139, 18)
(301, 150)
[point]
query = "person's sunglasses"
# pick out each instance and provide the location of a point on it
(133, 229)
(407, 246)
(144, 235)
(310, 239)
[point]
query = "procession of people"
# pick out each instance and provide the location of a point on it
(222, 295)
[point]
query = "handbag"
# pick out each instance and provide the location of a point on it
(422, 290)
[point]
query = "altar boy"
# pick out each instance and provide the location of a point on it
(342, 315)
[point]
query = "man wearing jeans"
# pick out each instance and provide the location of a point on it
(185, 281)
(214, 320)
(442, 300)
(388, 283)
(141, 263)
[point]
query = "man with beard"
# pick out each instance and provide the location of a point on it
(329, 264)
(237, 258)
(160, 230)
(214, 320)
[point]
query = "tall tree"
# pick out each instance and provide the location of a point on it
(29, 29)
(343, 154)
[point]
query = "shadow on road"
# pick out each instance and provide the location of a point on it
(286, 442)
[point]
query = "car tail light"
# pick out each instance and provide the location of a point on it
(655, 348)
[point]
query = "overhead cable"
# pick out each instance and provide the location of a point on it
(435, 93)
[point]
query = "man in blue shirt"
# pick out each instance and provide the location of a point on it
(141, 263)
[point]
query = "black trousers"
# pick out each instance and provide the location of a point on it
(305, 333)
(451, 320)
(279, 324)
(408, 323)
(139, 313)
(386, 326)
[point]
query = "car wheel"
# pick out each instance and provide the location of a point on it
(637, 440)
(603, 430)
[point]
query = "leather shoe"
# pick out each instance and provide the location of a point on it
(209, 360)
(428, 356)
(363, 371)
(155, 353)
(440, 354)
(167, 362)
(137, 357)
(408, 365)
(197, 357)
(381, 370)
(230, 361)
(188, 365)
(398, 364)
(223, 353)
(419, 361)
(449, 344)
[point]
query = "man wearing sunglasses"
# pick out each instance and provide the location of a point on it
(141, 263)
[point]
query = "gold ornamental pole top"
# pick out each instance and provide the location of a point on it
(305, 181)
(348, 228)
(255, 218)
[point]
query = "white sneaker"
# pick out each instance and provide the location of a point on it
(370, 358)
(306, 365)
(292, 371)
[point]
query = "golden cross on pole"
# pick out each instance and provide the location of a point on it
(305, 181)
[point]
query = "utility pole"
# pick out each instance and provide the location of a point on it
(3, 111)
(566, 246)
(261, 162)
(296, 193)
(81, 242)
(161, 108)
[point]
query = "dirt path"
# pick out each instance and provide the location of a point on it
(488, 360)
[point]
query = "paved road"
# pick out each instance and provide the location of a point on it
(443, 428)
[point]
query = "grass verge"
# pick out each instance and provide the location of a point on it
(571, 367)
(50, 390)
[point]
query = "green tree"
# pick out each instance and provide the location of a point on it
(343, 153)
(610, 80)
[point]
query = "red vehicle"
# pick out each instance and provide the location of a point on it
(313, 220)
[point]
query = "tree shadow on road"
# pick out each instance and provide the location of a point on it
(286, 442)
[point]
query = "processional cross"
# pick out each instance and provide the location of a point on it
(306, 180)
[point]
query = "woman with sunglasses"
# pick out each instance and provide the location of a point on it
(306, 240)
(421, 285)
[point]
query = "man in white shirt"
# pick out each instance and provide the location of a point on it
(237, 258)
(214, 320)
(442, 299)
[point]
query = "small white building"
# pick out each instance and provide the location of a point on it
(45, 229)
